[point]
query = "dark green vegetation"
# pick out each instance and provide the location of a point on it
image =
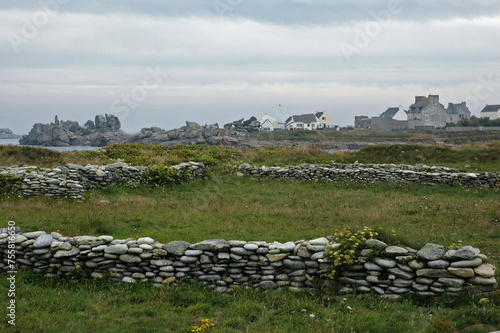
(375, 136)
(475, 122)
(231, 207)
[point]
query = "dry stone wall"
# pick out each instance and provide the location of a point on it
(71, 180)
(386, 270)
(370, 173)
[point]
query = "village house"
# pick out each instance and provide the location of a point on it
(392, 119)
(426, 113)
(311, 121)
(457, 112)
(269, 124)
(491, 111)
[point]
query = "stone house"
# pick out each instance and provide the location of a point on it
(457, 112)
(426, 112)
(491, 111)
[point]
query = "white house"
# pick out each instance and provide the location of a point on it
(268, 123)
(491, 111)
(310, 121)
(324, 120)
(267, 126)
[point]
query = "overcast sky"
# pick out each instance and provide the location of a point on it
(162, 62)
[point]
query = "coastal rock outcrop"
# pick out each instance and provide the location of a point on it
(103, 131)
(6, 133)
(194, 133)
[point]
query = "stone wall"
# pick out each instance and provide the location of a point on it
(370, 173)
(71, 180)
(385, 270)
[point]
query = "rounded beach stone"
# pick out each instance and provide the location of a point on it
(43, 241)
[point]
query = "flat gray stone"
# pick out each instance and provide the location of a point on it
(467, 263)
(116, 249)
(462, 272)
(177, 247)
(467, 252)
(294, 264)
(434, 273)
(287, 247)
(131, 259)
(394, 251)
(161, 262)
(250, 247)
(276, 257)
(431, 252)
(454, 283)
(85, 239)
(212, 245)
(375, 244)
(370, 266)
(70, 253)
(193, 253)
(43, 241)
(188, 259)
(268, 285)
(241, 251)
(440, 263)
(485, 270)
(128, 279)
(482, 281)
(386, 263)
(145, 240)
(34, 234)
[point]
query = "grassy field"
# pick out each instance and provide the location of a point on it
(231, 207)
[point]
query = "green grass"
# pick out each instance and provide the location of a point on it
(50, 306)
(231, 207)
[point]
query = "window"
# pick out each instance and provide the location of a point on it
(426, 117)
(323, 118)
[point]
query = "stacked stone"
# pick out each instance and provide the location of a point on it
(385, 270)
(431, 271)
(71, 180)
(371, 173)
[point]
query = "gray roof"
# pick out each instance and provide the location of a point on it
(319, 114)
(491, 108)
(303, 118)
(455, 108)
(390, 113)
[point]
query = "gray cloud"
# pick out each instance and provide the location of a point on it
(258, 55)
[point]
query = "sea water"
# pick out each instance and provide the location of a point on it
(60, 149)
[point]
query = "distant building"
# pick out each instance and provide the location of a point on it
(491, 111)
(267, 126)
(324, 120)
(392, 119)
(394, 113)
(311, 121)
(269, 123)
(426, 112)
(457, 112)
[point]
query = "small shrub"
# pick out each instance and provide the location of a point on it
(347, 252)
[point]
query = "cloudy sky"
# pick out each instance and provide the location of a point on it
(162, 62)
